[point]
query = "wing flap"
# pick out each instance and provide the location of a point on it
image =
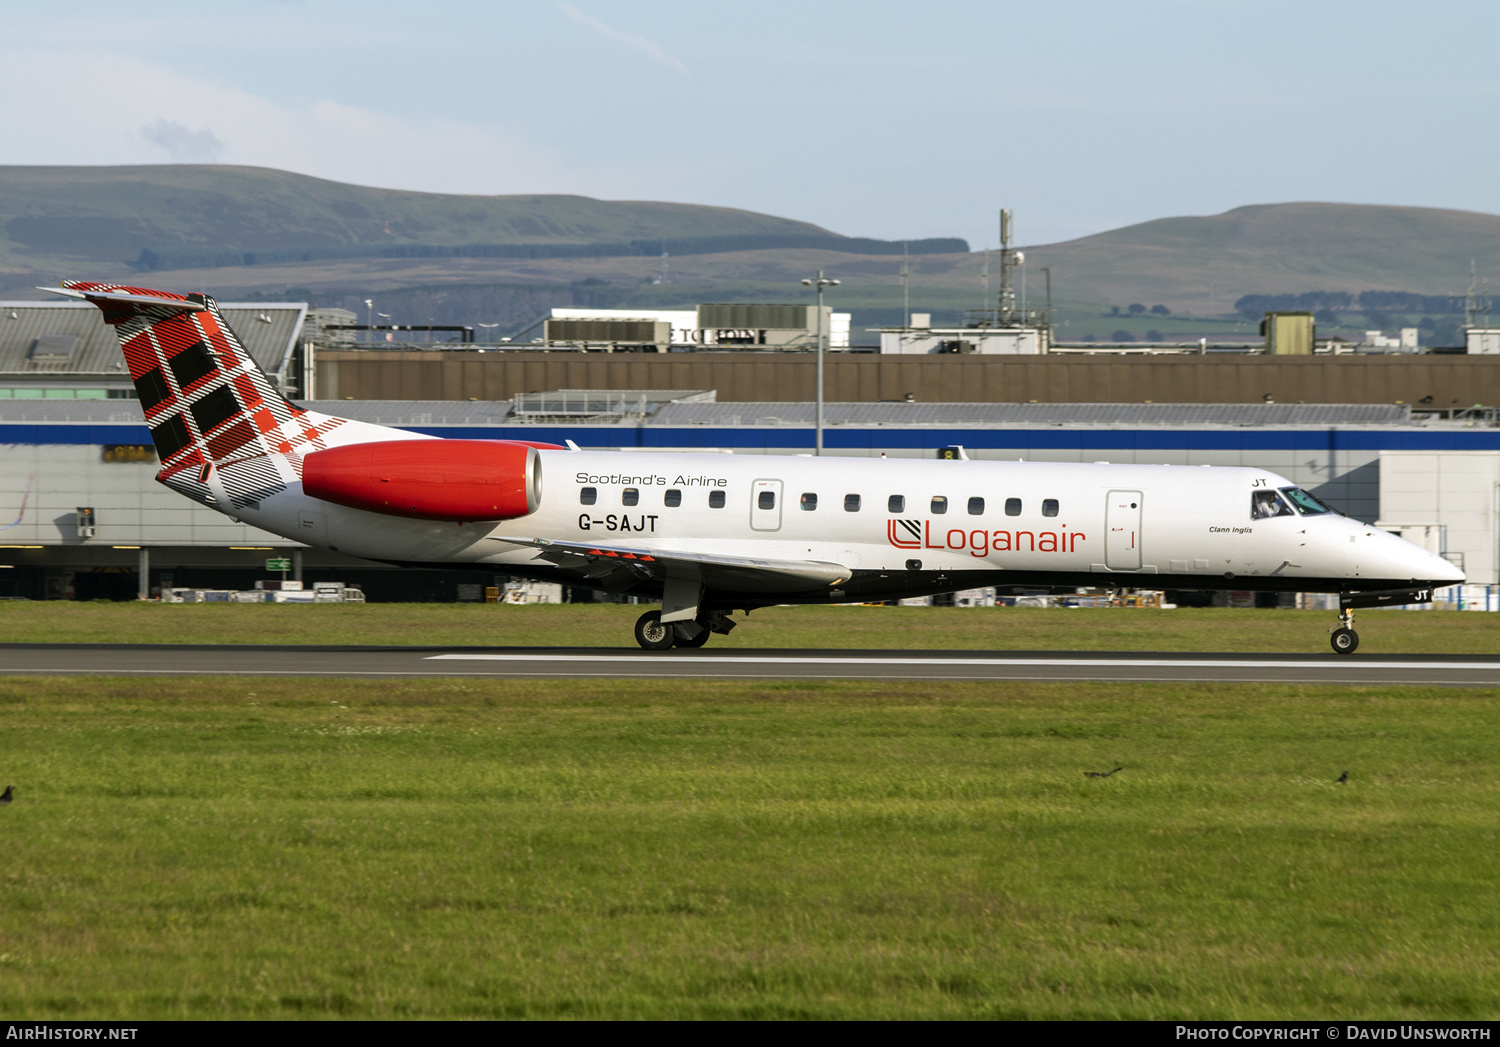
(718, 571)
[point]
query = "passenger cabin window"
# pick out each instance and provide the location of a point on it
(1049, 506)
(851, 503)
(1306, 504)
(588, 495)
(672, 499)
(939, 504)
(766, 500)
(1266, 504)
(976, 506)
(896, 503)
(630, 496)
(716, 499)
(1013, 507)
(809, 501)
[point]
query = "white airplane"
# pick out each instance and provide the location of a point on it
(708, 534)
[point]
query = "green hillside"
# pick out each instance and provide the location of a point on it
(252, 232)
(53, 216)
(1202, 264)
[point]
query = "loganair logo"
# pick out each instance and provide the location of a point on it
(918, 534)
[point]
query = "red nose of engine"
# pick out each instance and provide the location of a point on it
(429, 479)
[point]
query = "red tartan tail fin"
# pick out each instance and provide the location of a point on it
(210, 408)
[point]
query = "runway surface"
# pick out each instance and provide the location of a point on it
(238, 660)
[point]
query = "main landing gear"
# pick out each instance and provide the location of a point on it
(655, 635)
(1344, 639)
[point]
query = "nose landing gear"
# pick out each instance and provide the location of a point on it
(1344, 639)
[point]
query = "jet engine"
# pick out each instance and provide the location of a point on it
(429, 479)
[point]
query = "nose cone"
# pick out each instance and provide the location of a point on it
(1416, 562)
(1444, 572)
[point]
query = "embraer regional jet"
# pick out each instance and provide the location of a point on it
(708, 533)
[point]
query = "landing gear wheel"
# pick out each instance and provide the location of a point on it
(1344, 641)
(690, 634)
(651, 634)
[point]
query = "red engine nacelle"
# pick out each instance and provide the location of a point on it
(429, 479)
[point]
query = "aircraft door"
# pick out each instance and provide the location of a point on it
(765, 505)
(312, 528)
(1122, 542)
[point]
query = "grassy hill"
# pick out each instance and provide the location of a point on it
(240, 231)
(53, 215)
(1202, 264)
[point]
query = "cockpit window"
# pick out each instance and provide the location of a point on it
(1306, 504)
(1266, 504)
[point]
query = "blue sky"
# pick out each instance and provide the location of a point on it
(872, 119)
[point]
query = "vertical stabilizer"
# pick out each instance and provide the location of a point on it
(219, 425)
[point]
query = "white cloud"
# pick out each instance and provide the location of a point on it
(112, 109)
(640, 43)
(181, 144)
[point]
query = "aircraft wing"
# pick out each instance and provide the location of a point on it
(617, 567)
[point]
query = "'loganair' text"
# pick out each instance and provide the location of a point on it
(915, 534)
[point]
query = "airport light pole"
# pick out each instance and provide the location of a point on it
(820, 282)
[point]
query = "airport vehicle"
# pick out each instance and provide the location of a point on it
(706, 533)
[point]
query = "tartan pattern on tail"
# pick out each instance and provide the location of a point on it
(209, 407)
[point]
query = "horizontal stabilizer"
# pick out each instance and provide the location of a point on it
(179, 304)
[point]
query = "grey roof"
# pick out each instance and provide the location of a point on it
(78, 412)
(458, 412)
(417, 412)
(486, 412)
(1032, 415)
(268, 330)
(381, 412)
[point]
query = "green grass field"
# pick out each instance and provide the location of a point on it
(438, 848)
(609, 625)
(273, 848)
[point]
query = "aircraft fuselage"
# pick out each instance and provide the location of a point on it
(904, 527)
